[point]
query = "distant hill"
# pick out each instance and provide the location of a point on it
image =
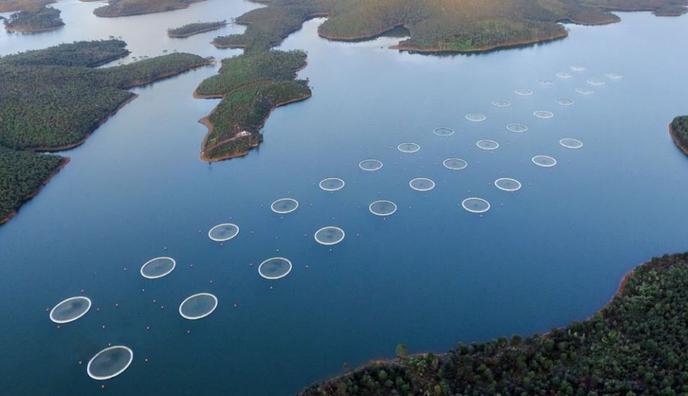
(119, 8)
(22, 5)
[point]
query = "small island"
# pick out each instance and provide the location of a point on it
(435, 26)
(678, 129)
(23, 5)
(635, 345)
(251, 86)
(42, 19)
(195, 28)
(120, 8)
(53, 99)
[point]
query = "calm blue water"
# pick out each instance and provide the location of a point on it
(429, 276)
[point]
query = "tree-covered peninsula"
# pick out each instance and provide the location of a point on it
(435, 25)
(679, 132)
(52, 99)
(250, 85)
(120, 8)
(42, 19)
(195, 28)
(636, 345)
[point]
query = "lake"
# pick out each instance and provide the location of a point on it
(430, 276)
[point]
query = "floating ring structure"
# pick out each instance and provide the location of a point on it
(223, 232)
(585, 91)
(577, 68)
(110, 362)
(475, 205)
(382, 208)
(158, 267)
(284, 205)
(516, 127)
(614, 76)
(596, 83)
(329, 235)
(565, 102)
(422, 184)
(455, 164)
(443, 131)
(543, 114)
(487, 144)
(331, 184)
(198, 306)
(508, 184)
(544, 161)
(501, 103)
(571, 143)
(524, 92)
(70, 309)
(275, 268)
(564, 75)
(546, 83)
(370, 165)
(408, 148)
(476, 117)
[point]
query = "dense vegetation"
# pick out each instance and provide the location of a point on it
(679, 132)
(119, 8)
(22, 5)
(251, 85)
(39, 20)
(195, 28)
(53, 99)
(434, 25)
(636, 345)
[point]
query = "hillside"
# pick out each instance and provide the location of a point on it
(120, 8)
(22, 5)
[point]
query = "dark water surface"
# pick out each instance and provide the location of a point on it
(428, 276)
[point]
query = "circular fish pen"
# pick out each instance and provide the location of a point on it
(614, 76)
(543, 114)
(564, 75)
(508, 184)
(596, 83)
(501, 103)
(408, 148)
(524, 92)
(158, 267)
(455, 164)
(443, 132)
(571, 143)
(70, 309)
(476, 117)
(516, 127)
(110, 362)
(475, 205)
(198, 306)
(577, 68)
(487, 144)
(329, 235)
(370, 165)
(284, 205)
(422, 184)
(544, 161)
(223, 232)
(331, 184)
(585, 91)
(565, 102)
(275, 268)
(382, 208)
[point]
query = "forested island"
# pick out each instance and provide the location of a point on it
(635, 345)
(42, 19)
(435, 25)
(679, 133)
(22, 5)
(195, 28)
(250, 85)
(53, 99)
(120, 8)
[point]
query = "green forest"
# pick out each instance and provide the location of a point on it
(120, 8)
(22, 5)
(53, 99)
(39, 20)
(636, 345)
(679, 131)
(434, 25)
(251, 85)
(195, 28)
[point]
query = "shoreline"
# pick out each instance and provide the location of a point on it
(58, 169)
(677, 140)
(29, 30)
